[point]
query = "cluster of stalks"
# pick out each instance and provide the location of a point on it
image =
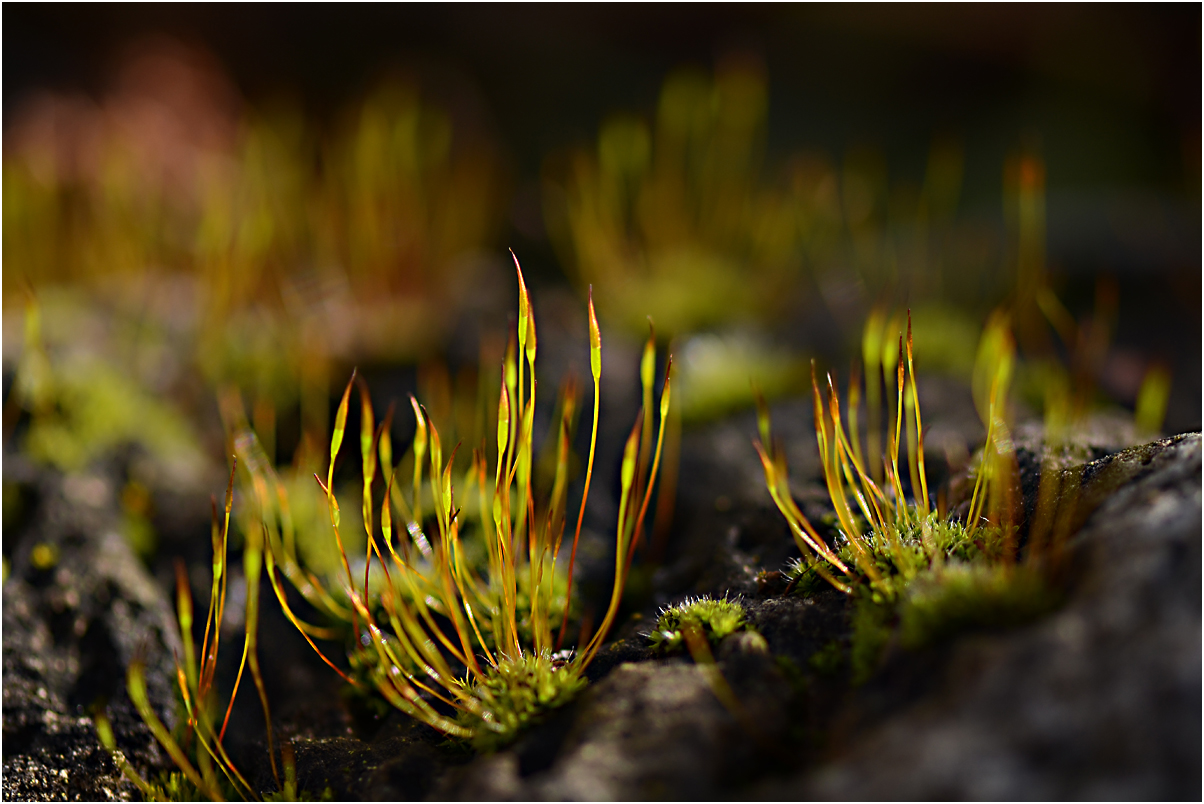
(457, 646)
(205, 769)
(475, 652)
(886, 541)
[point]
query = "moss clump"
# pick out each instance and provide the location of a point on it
(517, 694)
(802, 578)
(551, 579)
(960, 596)
(94, 408)
(903, 555)
(716, 618)
(942, 601)
(174, 786)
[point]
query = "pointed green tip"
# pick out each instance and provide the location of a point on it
(595, 339)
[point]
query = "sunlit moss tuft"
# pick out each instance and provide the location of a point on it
(463, 570)
(516, 694)
(716, 618)
(909, 567)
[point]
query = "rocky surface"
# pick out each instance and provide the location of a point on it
(78, 607)
(651, 730)
(1100, 699)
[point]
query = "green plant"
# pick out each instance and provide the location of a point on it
(81, 407)
(431, 630)
(962, 595)
(671, 217)
(906, 561)
(265, 239)
(205, 769)
(715, 618)
(516, 694)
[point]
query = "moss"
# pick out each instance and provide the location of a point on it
(174, 786)
(938, 581)
(96, 408)
(717, 618)
(517, 694)
(941, 602)
(899, 565)
(802, 578)
(960, 597)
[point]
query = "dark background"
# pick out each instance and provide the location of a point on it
(1112, 92)
(1109, 95)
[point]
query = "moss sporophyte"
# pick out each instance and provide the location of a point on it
(472, 648)
(204, 768)
(906, 562)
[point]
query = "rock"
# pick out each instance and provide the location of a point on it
(78, 606)
(1086, 450)
(400, 763)
(1101, 700)
(648, 731)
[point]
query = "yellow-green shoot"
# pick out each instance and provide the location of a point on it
(902, 557)
(205, 769)
(884, 537)
(430, 624)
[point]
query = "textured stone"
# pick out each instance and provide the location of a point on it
(70, 631)
(1101, 700)
(652, 730)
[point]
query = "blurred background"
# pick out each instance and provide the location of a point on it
(200, 197)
